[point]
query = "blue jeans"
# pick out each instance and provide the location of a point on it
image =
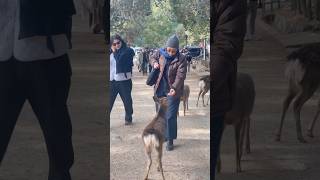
(123, 88)
(173, 107)
(215, 136)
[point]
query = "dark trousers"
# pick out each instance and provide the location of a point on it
(173, 107)
(45, 84)
(251, 17)
(215, 136)
(123, 88)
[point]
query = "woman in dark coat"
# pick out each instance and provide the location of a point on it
(170, 82)
(229, 27)
(121, 62)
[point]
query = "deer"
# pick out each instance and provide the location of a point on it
(302, 71)
(239, 116)
(204, 85)
(185, 99)
(153, 135)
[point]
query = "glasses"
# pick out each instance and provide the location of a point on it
(117, 43)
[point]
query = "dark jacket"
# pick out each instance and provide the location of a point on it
(229, 28)
(124, 58)
(176, 73)
(46, 18)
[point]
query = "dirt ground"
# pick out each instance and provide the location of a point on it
(190, 158)
(285, 160)
(26, 157)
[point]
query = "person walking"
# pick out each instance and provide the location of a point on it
(229, 27)
(170, 83)
(35, 67)
(121, 62)
(252, 9)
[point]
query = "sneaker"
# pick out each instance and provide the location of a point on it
(169, 146)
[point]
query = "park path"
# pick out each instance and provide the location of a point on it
(190, 158)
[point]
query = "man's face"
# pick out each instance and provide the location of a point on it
(171, 51)
(117, 43)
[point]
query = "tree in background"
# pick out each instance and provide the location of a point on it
(150, 23)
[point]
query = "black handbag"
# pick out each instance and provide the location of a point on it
(153, 76)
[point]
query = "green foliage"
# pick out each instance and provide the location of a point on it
(150, 27)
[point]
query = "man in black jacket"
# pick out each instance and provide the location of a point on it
(229, 27)
(34, 66)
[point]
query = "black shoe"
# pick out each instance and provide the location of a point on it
(127, 123)
(169, 145)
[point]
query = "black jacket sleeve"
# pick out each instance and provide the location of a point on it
(229, 25)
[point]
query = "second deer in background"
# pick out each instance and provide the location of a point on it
(239, 115)
(204, 85)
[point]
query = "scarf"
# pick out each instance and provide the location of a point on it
(165, 54)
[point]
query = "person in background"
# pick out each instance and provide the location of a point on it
(251, 20)
(121, 62)
(170, 83)
(229, 28)
(145, 60)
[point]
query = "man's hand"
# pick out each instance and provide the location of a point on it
(156, 65)
(172, 92)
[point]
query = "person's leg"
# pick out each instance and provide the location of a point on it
(171, 131)
(114, 90)
(11, 101)
(48, 94)
(253, 15)
(125, 88)
(215, 136)
(249, 17)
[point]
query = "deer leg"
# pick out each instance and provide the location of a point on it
(302, 98)
(310, 129)
(286, 104)
(159, 150)
(248, 150)
(188, 103)
(219, 157)
(148, 153)
(202, 95)
(242, 135)
(237, 129)
(199, 97)
(184, 107)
